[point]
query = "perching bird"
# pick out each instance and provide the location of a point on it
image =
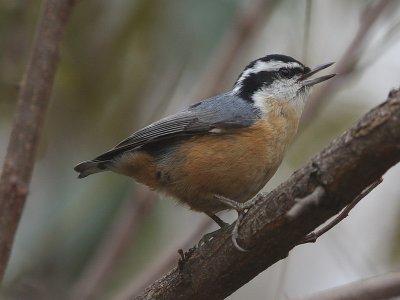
(224, 147)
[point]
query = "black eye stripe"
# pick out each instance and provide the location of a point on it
(284, 72)
(254, 81)
(264, 77)
(290, 72)
(297, 70)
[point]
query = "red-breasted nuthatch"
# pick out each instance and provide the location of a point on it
(222, 150)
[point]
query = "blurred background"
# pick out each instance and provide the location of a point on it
(125, 64)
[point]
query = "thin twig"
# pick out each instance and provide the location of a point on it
(34, 96)
(307, 23)
(379, 287)
(313, 236)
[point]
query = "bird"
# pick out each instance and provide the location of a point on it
(218, 153)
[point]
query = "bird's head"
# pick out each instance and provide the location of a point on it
(277, 77)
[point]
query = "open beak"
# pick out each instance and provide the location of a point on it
(311, 82)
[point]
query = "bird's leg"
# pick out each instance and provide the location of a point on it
(241, 209)
(217, 220)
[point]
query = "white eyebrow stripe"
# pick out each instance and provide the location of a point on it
(271, 66)
(268, 66)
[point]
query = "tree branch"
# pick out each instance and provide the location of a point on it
(28, 122)
(378, 287)
(343, 169)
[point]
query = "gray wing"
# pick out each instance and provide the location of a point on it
(224, 111)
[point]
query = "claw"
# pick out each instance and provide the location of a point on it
(235, 234)
(241, 209)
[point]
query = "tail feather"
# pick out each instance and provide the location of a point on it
(90, 167)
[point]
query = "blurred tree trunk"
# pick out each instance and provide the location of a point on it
(33, 100)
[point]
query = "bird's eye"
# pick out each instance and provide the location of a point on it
(284, 72)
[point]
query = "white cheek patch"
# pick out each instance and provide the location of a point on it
(286, 92)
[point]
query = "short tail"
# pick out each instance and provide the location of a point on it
(90, 167)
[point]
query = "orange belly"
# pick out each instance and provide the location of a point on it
(236, 164)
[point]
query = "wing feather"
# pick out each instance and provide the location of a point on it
(224, 111)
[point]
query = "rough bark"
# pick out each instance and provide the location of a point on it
(30, 114)
(342, 171)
